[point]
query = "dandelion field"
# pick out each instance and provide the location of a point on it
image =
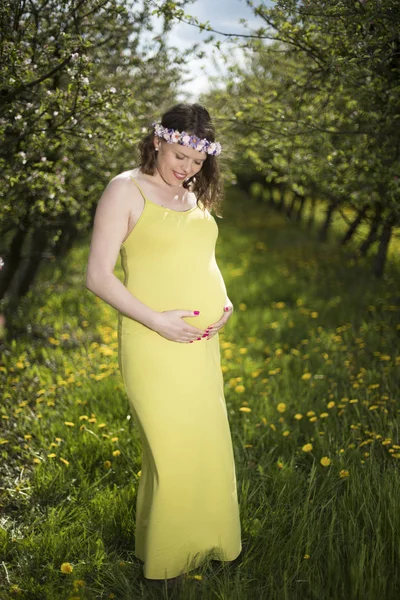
(311, 364)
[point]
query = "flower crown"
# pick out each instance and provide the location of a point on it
(172, 136)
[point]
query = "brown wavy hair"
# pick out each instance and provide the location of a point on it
(195, 120)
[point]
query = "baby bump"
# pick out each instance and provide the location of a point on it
(210, 301)
(201, 289)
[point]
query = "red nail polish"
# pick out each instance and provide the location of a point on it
(198, 339)
(191, 342)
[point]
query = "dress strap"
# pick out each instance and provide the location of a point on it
(138, 187)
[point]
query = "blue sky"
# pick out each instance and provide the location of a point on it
(223, 15)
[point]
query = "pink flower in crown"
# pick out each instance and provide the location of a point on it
(175, 137)
(186, 139)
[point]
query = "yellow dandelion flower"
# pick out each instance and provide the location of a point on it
(66, 567)
(264, 420)
(298, 416)
(83, 418)
(100, 425)
(281, 407)
(344, 473)
(279, 464)
(242, 350)
(107, 464)
(51, 455)
(307, 447)
(116, 452)
(306, 376)
(64, 460)
(37, 460)
(245, 409)
(306, 556)
(69, 423)
(313, 419)
(331, 404)
(286, 433)
(325, 461)
(114, 439)
(314, 315)
(273, 427)
(240, 389)
(324, 415)
(373, 407)
(242, 306)
(310, 413)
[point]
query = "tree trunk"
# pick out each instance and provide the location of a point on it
(311, 218)
(384, 241)
(299, 214)
(290, 208)
(353, 226)
(12, 259)
(39, 243)
(372, 235)
(323, 234)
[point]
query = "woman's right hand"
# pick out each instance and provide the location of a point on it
(170, 325)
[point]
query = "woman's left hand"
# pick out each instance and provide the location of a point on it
(215, 327)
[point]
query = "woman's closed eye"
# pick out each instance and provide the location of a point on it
(197, 162)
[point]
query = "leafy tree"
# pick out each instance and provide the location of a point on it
(79, 83)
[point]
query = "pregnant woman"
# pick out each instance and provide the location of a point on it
(171, 306)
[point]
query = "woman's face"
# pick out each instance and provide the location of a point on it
(175, 162)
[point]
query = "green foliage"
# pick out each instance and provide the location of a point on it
(79, 85)
(316, 107)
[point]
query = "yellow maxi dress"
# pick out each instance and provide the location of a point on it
(187, 503)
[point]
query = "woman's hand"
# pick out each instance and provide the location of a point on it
(170, 325)
(214, 328)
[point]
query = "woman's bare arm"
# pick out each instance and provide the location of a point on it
(110, 228)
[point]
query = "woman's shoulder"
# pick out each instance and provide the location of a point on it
(126, 175)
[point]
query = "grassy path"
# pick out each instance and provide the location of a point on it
(311, 368)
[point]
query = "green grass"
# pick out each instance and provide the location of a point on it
(312, 334)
